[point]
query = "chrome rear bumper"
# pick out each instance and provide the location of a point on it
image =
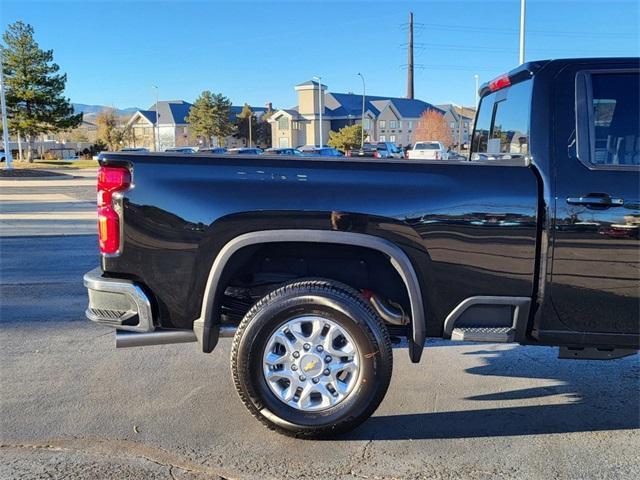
(118, 303)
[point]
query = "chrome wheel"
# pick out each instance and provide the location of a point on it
(311, 363)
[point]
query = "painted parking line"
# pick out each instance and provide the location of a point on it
(72, 182)
(37, 197)
(88, 215)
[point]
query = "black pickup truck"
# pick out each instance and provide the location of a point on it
(315, 266)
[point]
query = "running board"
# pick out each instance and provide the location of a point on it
(488, 319)
(484, 334)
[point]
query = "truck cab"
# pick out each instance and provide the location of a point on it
(577, 122)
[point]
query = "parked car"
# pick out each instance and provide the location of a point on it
(321, 151)
(389, 150)
(312, 266)
(428, 151)
(245, 151)
(456, 156)
(368, 150)
(134, 149)
(181, 150)
(2, 156)
(212, 150)
(283, 151)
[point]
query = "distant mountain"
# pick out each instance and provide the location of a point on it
(94, 109)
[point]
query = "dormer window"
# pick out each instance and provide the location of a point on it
(283, 123)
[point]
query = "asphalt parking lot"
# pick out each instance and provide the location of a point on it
(72, 406)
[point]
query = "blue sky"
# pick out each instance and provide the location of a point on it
(113, 52)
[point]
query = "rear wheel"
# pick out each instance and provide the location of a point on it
(312, 359)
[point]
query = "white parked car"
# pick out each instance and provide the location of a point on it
(428, 150)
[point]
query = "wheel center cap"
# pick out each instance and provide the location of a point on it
(311, 365)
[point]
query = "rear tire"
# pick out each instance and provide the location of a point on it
(322, 340)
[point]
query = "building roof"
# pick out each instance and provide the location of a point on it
(467, 113)
(170, 112)
(174, 112)
(310, 83)
(350, 104)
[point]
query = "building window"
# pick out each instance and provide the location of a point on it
(453, 125)
(295, 125)
(392, 138)
(383, 138)
(466, 124)
(393, 124)
(399, 123)
(382, 124)
(283, 123)
(367, 123)
(410, 125)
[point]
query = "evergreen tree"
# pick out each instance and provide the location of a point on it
(209, 117)
(34, 89)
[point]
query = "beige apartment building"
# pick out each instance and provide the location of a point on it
(387, 119)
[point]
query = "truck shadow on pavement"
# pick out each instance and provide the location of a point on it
(587, 396)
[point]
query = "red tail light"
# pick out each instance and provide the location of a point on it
(110, 181)
(498, 83)
(348, 153)
(376, 154)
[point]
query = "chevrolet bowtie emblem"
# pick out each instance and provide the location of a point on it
(311, 365)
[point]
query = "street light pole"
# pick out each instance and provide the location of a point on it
(5, 124)
(477, 77)
(156, 129)
(320, 104)
(522, 16)
(364, 88)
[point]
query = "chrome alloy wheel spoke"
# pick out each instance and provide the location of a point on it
(311, 363)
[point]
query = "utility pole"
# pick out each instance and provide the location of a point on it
(156, 129)
(522, 17)
(250, 118)
(320, 104)
(477, 78)
(363, 97)
(410, 59)
(5, 123)
(459, 132)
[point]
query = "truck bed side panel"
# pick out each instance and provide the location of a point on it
(469, 229)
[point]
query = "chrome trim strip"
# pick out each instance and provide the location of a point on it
(93, 280)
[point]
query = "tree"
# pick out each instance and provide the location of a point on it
(34, 89)
(433, 126)
(210, 116)
(110, 130)
(346, 138)
(246, 124)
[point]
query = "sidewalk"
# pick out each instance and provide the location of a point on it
(48, 207)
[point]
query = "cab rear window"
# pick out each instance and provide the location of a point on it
(502, 127)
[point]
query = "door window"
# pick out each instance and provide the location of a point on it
(613, 123)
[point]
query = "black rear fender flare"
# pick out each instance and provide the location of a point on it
(399, 260)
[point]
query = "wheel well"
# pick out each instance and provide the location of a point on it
(255, 270)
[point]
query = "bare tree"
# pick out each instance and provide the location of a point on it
(433, 126)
